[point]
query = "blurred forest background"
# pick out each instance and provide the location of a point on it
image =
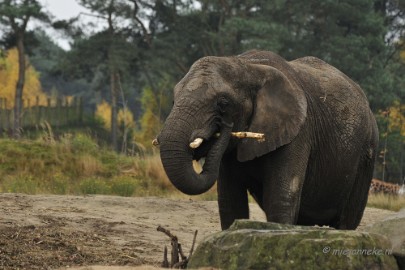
(118, 75)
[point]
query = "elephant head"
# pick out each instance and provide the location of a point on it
(221, 94)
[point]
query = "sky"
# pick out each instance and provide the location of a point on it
(61, 10)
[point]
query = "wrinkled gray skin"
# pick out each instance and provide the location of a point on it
(316, 163)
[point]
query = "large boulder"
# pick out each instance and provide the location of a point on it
(260, 245)
(393, 228)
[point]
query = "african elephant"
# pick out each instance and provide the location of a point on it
(317, 160)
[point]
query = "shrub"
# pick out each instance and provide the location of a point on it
(20, 184)
(84, 143)
(124, 186)
(94, 186)
(58, 185)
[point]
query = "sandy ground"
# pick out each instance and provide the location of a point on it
(62, 232)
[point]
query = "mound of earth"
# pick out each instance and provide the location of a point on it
(51, 232)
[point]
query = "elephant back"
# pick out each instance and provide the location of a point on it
(335, 97)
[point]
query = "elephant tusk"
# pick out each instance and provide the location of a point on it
(155, 142)
(196, 143)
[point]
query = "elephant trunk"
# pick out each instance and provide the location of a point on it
(177, 157)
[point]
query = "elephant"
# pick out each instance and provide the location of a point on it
(316, 163)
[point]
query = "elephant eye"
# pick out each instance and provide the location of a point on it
(222, 104)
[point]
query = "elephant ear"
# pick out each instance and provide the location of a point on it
(279, 112)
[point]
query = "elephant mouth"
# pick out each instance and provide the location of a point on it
(177, 158)
(203, 150)
(207, 138)
(200, 154)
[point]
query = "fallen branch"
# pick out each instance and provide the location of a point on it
(246, 134)
(176, 251)
(239, 135)
(167, 232)
(192, 246)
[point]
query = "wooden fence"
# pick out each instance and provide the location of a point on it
(57, 112)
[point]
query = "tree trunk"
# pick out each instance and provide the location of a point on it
(114, 110)
(113, 79)
(19, 87)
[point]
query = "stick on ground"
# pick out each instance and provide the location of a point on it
(176, 251)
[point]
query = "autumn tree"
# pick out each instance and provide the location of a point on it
(156, 105)
(15, 15)
(9, 76)
(121, 18)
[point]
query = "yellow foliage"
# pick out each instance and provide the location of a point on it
(150, 120)
(9, 77)
(69, 100)
(397, 117)
(125, 116)
(103, 111)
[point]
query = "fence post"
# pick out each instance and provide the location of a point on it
(57, 113)
(2, 111)
(72, 115)
(66, 109)
(79, 109)
(58, 121)
(49, 115)
(30, 118)
(38, 111)
(8, 115)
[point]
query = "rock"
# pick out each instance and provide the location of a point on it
(393, 227)
(260, 245)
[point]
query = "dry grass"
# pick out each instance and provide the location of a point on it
(153, 169)
(157, 183)
(384, 201)
(89, 165)
(77, 165)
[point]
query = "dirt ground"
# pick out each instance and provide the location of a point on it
(61, 232)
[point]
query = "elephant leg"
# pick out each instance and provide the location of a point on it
(232, 194)
(352, 212)
(283, 184)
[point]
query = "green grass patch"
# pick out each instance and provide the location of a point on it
(94, 186)
(21, 184)
(125, 186)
